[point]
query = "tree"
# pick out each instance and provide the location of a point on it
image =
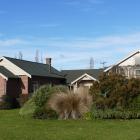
(37, 56)
(20, 55)
(114, 91)
(41, 58)
(91, 63)
(15, 56)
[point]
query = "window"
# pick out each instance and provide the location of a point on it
(137, 72)
(35, 85)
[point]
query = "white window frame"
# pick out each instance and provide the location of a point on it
(136, 72)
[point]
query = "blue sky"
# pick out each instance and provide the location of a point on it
(70, 31)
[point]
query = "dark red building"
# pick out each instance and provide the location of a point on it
(24, 77)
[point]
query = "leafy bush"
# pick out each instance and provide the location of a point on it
(60, 89)
(115, 114)
(8, 102)
(114, 91)
(23, 98)
(43, 113)
(36, 106)
(87, 116)
(44, 92)
(28, 108)
(41, 95)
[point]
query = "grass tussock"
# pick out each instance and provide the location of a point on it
(70, 105)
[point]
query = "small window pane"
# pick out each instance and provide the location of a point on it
(137, 72)
(35, 86)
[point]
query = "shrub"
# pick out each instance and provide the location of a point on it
(23, 98)
(135, 104)
(40, 113)
(116, 97)
(28, 108)
(42, 94)
(70, 105)
(43, 113)
(8, 102)
(87, 116)
(114, 91)
(115, 114)
(36, 106)
(60, 89)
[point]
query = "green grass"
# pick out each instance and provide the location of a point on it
(13, 127)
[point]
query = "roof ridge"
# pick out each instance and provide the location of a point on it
(80, 69)
(34, 68)
(24, 60)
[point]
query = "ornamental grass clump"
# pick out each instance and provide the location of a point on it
(69, 105)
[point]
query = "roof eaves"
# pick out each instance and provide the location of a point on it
(121, 61)
(29, 75)
(85, 74)
(2, 75)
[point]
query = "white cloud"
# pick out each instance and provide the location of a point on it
(11, 42)
(107, 48)
(76, 52)
(105, 42)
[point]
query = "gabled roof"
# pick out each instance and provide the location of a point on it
(82, 76)
(6, 73)
(35, 69)
(121, 61)
(72, 75)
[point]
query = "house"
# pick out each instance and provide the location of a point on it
(129, 66)
(24, 77)
(79, 79)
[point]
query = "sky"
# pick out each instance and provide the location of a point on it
(71, 32)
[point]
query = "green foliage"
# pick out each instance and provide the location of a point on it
(9, 102)
(36, 106)
(114, 91)
(116, 114)
(88, 116)
(28, 108)
(116, 97)
(60, 89)
(43, 113)
(135, 104)
(42, 95)
(44, 92)
(23, 98)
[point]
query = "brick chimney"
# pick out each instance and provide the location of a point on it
(48, 61)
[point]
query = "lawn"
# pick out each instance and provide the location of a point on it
(13, 127)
